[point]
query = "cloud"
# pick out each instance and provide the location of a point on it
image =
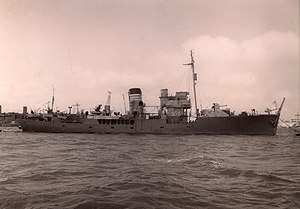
(248, 73)
(85, 50)
(242, 74)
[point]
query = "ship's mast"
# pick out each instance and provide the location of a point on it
(52, 104)
(108, 98)
(77, 107)
(194, 80)
(124, 104)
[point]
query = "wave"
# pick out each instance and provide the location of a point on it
(198, 160)
(95, 205)
(123, 171)
(257, 177)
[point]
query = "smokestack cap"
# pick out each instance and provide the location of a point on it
(135, 91)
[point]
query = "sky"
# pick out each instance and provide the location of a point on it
(246, 52)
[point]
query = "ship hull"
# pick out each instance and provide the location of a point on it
(234, 125)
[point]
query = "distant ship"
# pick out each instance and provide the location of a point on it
(7, 122)
(296, 121)
(173, 117)
(293, 124)
(12, 127)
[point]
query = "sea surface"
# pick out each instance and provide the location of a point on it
(39, 170)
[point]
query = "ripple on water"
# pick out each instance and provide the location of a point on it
(148, 171)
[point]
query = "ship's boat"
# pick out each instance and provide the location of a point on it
(174, 117)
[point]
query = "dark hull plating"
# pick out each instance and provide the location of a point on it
(235, 125)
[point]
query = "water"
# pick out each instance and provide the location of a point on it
(39, 170)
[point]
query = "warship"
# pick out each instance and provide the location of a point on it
(173, 117)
